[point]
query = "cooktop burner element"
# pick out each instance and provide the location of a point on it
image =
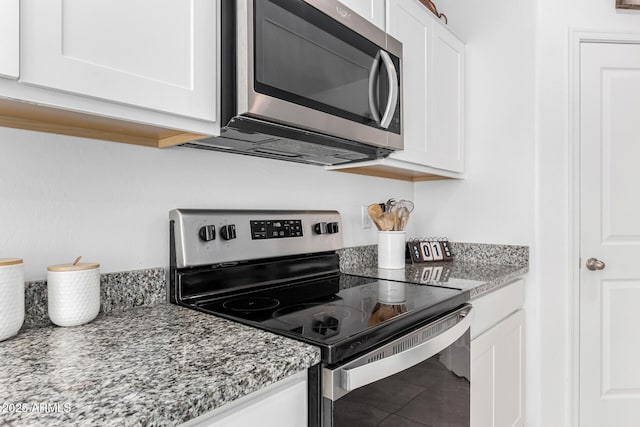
(251, 304)
(290, 283)
(315, 310)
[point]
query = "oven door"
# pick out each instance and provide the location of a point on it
(419, 379)
(316, 65)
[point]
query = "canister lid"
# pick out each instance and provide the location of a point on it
(9, 261)
(71, 267)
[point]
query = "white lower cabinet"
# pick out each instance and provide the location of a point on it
(497, 359)
(283, 404)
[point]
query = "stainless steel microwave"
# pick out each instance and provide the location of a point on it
(307, 81)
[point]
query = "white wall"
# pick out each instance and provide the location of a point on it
(495, 201)
(61, 197)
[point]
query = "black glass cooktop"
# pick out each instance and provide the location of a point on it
(343, 315)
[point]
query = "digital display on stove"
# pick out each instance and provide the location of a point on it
(275, 228)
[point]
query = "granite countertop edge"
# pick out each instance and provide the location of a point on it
(157, 365)
(499, 282)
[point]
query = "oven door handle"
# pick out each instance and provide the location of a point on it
(353, 378)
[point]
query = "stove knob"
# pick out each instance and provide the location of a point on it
(320, 228)
(208, 233)
(228, 232)
(332, 228)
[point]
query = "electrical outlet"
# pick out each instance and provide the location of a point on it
(366, 219)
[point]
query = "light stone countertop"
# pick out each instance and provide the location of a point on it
(159, 365)
(476, 267)
(477, 278)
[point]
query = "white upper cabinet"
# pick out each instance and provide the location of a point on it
(433, 70)
(9, 38)
(372, 10)
(159, 55)
(432, 98)
(137, 71)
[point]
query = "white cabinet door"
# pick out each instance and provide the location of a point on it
(445, 111)
(497, 375)
(9, 38)
(433, 96)
(409, 22)
(156, 54)
(372, 10)
(283, 404)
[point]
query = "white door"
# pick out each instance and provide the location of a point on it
(610, 233)
(156, 54)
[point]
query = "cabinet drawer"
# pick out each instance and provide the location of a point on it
(493, 307)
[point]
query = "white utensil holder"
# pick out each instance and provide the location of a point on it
(11, 296)
(74, 293)
(391, 249)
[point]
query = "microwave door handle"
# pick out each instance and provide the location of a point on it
(394, 90)
(373, 78)
(372, 372)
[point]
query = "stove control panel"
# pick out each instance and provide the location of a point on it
(276, 228)
(212, 236)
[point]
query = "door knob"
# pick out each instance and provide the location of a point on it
(594, 264)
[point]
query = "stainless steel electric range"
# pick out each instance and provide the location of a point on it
(392, 352)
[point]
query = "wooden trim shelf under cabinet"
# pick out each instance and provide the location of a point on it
(24, 115)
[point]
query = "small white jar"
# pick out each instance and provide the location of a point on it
(73, 293)
(11, 296)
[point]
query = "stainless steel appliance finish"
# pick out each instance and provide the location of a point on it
(392, 352)
(307, 81)
(396, 356)
(192, 251)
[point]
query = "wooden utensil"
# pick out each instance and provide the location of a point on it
(387, 221)
(375, 212)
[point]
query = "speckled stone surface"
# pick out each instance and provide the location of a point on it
(359, 256)
(491, 254)
(118, 292)
(478, 268)
(158, 365)
(477, 278)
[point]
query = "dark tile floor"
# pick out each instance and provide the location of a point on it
(427, 394)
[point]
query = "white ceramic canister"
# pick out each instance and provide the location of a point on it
(73, 291)
(391, 249)
(11, 296)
